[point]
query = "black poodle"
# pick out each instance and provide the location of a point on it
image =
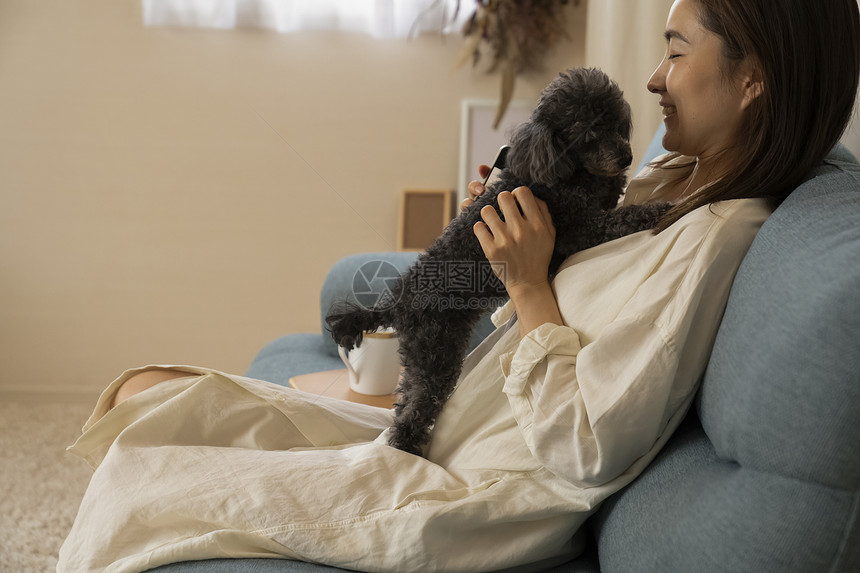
(572, 153)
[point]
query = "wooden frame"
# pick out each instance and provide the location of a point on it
(424, 214)
(479, 142)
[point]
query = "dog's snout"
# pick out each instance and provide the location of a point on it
(625, 159)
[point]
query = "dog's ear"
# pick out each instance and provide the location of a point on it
(534, 155)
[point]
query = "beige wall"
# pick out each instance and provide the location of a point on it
(625, 39)
(150, 214)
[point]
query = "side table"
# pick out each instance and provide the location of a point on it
(335, 384)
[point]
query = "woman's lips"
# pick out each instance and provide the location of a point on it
(669, 111)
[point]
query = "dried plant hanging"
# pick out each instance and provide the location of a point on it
(514, 35)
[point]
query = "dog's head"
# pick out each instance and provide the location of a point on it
(581, 122)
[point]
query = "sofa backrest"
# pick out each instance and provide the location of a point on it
(780, 401)
(764, 475)
(782, 390)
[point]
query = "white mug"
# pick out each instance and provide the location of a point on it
(374, 367)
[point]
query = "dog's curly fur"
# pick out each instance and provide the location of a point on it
(572, 153)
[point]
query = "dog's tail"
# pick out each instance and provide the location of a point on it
(347, 322)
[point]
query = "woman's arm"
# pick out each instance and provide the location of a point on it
(520, 248)
(587, 413)
(592, 396)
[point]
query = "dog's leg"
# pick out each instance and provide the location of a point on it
(410, 428)
(624, 221)
(433, 358)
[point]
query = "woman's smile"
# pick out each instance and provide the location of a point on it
(668, 110)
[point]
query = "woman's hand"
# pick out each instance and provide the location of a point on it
(519, 249)
(476, 188)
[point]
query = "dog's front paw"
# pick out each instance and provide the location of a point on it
(343, 330)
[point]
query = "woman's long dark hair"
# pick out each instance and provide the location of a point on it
(808, 53)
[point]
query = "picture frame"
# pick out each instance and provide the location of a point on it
(424, 214)
(479, 142)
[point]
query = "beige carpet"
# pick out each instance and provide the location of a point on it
(41, 485)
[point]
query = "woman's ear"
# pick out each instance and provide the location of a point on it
(752, 82)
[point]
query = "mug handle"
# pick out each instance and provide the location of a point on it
(342, 351)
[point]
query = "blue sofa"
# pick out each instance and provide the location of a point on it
(764, 473)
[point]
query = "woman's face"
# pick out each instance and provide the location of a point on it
(703, 110)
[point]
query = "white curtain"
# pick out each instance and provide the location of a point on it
(380, 18)
(625, 39)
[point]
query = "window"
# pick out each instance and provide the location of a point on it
(380, 18)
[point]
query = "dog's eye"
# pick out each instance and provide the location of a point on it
(590, 136)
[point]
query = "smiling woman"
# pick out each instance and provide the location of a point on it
(704, 109)
(732, 72)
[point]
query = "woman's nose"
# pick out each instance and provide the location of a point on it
(657, 81)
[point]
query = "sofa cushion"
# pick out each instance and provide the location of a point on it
(783, 388)
(587, 563)
(292, 355)
(769, 480)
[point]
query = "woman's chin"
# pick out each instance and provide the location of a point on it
(669, 139)
(669, 143)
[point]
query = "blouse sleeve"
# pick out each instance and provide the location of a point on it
(585, 414)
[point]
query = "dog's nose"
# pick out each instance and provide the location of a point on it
(625, 160)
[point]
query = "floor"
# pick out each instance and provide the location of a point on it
(42, 484)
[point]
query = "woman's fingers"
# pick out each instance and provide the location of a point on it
(547, 218)
(509, 207)
(526, 201)
(529, 205)
(492, 219)
(510, 210)
(534, 210)
(475, 188)
(485, 237)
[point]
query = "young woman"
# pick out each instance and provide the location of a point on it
(563, 405)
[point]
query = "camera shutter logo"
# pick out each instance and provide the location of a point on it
(372, 285)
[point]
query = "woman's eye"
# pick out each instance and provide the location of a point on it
(673, 56)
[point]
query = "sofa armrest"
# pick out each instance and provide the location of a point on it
(349, 278)
(363, 274)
